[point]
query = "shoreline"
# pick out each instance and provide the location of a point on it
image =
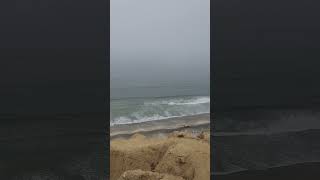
(199, 123)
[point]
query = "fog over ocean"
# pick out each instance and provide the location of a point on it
(160, 62)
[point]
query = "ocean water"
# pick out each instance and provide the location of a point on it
(133, 103)
(135, 110)
(159, 62)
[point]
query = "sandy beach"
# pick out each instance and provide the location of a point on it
(180, 151)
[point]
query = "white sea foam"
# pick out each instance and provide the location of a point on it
(126, 120)
(153, 109)
(200, 100)
(181, 101)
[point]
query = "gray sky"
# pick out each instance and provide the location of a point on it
(168, 39)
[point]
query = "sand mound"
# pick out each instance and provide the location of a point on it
(146, 175)
(179, 156)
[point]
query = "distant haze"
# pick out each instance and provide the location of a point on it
(157, 42)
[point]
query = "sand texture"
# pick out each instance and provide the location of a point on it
(179, 156)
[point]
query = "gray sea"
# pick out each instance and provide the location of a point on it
(135, 102)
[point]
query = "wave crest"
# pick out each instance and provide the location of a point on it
(153, 109)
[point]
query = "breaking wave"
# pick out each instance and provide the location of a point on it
(127, 111)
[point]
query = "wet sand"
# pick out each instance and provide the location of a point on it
(150, 128)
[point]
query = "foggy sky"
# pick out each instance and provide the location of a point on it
(159, 40)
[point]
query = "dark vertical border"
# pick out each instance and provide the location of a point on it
(107, 127)
(54, 76)
(266, 61)
(212, 97)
